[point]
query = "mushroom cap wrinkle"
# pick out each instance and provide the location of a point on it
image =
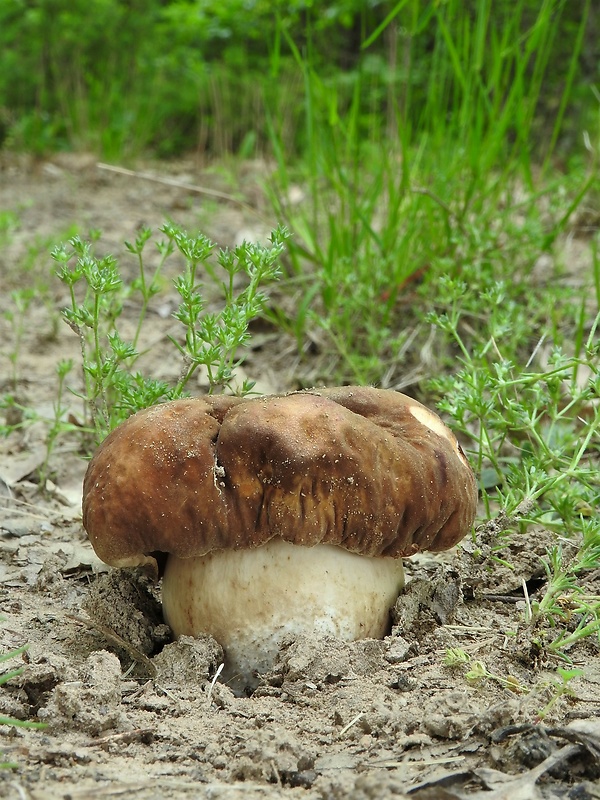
(369, 470)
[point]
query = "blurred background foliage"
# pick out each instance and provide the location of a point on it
(121, 77)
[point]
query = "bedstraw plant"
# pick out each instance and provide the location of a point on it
(113, 389)
(534, 434)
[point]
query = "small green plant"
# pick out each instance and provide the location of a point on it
(455, 657)
(477, 671)
(9, 222)
(31, 295)
(535, 444)
(58, 423)
(564, 598)
(559, 687)
(113, 390)
(16, 315)
(19, 723)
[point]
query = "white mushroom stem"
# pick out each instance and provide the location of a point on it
(249, 600)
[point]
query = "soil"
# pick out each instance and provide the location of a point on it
(131, 713)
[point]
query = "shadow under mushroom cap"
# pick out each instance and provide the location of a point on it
(369, 470)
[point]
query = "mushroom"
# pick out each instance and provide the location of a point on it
(279, 515)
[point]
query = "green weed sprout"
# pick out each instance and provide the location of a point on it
(560, 688)
(113, 390)
(19, 723)
(564, 599)
(58, 424)
(455, 657)
(535, 442)
(17, 317)
(477, 671)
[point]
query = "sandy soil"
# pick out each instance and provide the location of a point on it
(131, 713)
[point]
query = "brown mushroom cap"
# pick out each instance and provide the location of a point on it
(370, 470)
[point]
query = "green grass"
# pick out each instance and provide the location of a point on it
(446, 185)
(18, 723)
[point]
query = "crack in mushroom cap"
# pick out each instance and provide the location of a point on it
(370, 470)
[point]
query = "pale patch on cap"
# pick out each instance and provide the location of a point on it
(434, 423)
